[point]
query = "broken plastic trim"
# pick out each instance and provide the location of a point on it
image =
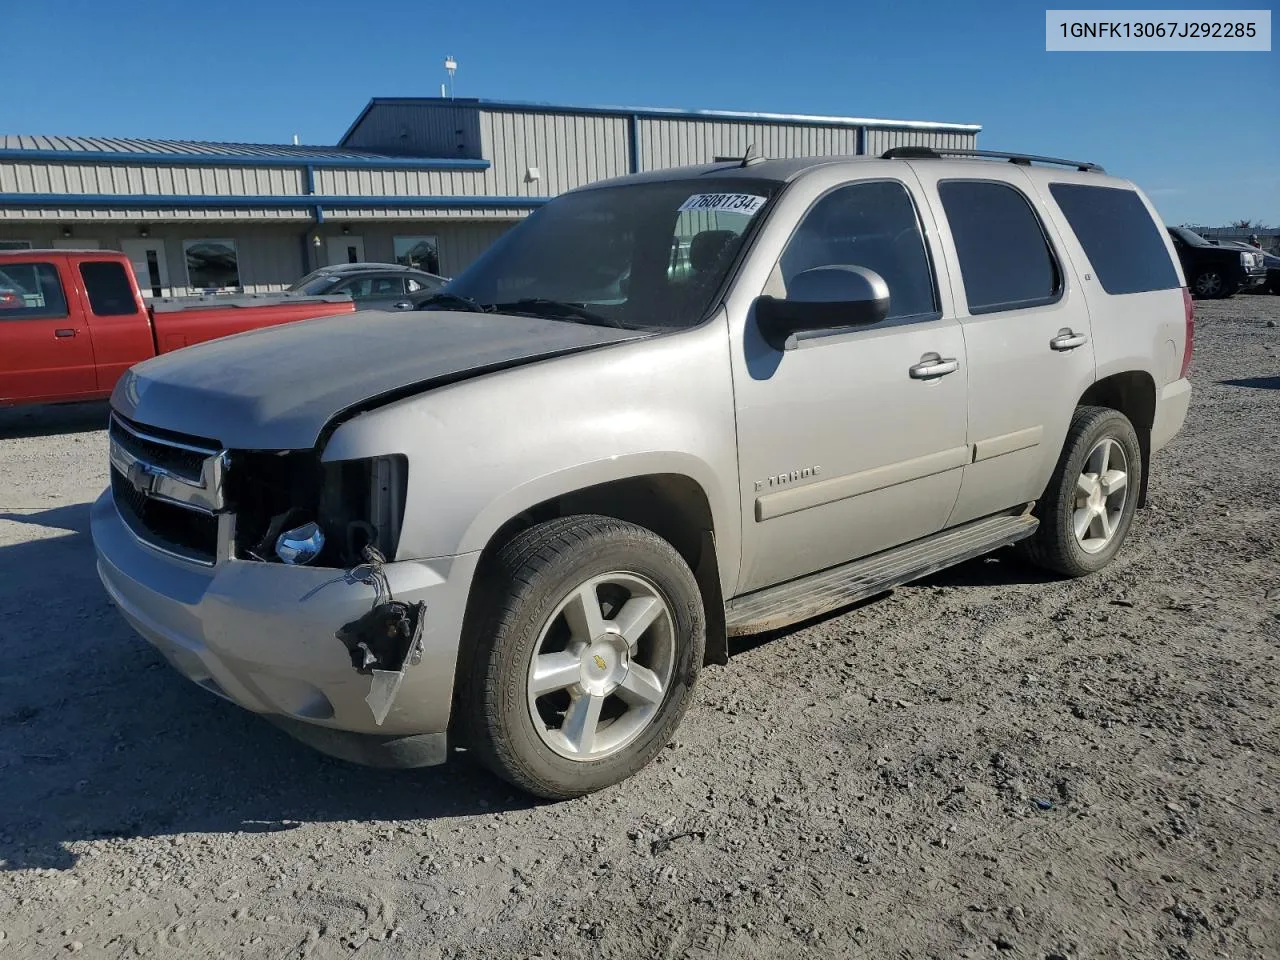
(384, 641)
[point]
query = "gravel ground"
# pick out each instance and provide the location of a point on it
(989, 763)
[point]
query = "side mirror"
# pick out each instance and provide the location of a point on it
(823, 298)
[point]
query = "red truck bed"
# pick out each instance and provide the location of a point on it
(72, 322)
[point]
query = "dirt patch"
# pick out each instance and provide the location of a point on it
(988, 763)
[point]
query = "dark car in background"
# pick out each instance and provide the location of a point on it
(1272, 263)
(373, 286)
(1214, 271)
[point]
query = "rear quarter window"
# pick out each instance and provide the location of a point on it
(1123, 244)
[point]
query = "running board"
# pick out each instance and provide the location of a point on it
(828, 590)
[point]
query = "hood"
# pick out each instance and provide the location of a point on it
(277, 388)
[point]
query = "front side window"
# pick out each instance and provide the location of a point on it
(642, 255)
(1119, 237)
(1005, 260)
(30, 291)
(358, 287)
(387, 287)
(212, 264)
(872, 224)
(418, 253)
(109, 289)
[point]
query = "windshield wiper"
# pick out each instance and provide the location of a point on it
(453, 301)
(557, 310)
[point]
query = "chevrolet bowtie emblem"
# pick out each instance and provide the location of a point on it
(142, 478)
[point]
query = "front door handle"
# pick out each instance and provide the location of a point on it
(64, 332)
(933, 365)
(1067, 339)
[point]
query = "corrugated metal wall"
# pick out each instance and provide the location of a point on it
(681, 142)
(48, 177)
(567, 149)
(154, 215)
(419, 129)
(880, 140)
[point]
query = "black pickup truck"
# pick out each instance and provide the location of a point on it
(1215, 272)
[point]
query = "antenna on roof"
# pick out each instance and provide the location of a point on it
(746, 160)
(296, 141)
(451, 67)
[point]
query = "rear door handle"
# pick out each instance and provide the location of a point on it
(64, 332)
(1068, 340)
(933, 365)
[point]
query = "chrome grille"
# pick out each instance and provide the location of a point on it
(168, 489)
(185, 460)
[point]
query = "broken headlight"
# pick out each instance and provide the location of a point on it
(352, 503)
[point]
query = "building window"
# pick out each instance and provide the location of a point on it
(420, 253)
(15, 244)
(212, 264)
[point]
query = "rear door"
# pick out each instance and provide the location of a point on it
(1026, 330)
(118, 319)
(45, 349)
(1135, 293)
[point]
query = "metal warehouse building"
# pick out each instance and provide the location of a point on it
(424, 180)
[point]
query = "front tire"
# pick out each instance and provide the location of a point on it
(583, 655)
(1086, 511)
(1213, 285)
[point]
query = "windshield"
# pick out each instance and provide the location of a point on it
(640, 255)
(313, 283)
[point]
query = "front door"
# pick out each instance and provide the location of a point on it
(847, 443)
(1027, 329)
(149, 265)
(345, 250)
(46, 352)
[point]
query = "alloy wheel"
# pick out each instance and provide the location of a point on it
(601, 667)
(1209, 284)
(1101, 491)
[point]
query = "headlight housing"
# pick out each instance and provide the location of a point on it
(353, 504)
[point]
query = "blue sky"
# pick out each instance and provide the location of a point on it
(1199, 131)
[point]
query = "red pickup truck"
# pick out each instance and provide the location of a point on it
(71, 322)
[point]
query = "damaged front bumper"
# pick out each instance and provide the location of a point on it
(265, 636)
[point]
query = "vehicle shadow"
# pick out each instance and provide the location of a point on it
(100, 738)
(52, 420)
(1002, 568)
(1257, 383)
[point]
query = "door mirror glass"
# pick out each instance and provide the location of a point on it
(823, 298)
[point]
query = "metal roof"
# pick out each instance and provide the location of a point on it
(124, 150)
(668, 113)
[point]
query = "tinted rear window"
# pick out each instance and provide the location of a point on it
(1005, 260)
(1122, 242)
(109, 289)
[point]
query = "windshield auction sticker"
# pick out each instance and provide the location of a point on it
(1157, 30)
(745, 203)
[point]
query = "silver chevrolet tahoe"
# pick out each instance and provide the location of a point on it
(664, 410)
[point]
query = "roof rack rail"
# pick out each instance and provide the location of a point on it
(1022, 159)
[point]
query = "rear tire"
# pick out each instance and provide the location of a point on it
(583, 657)
(1086, 510)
